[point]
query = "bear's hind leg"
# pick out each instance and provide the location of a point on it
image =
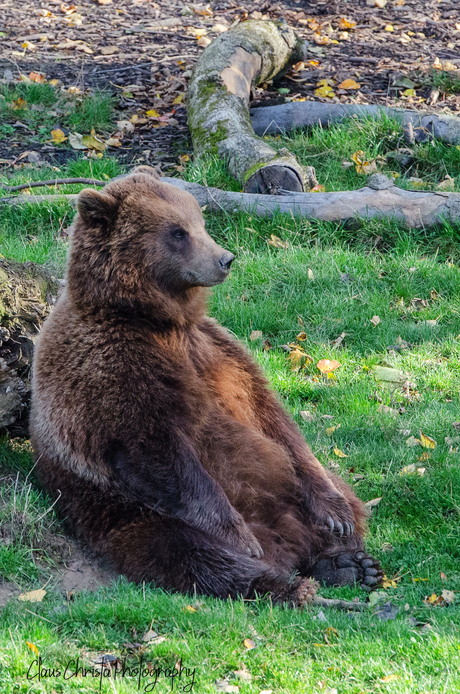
(347, 568)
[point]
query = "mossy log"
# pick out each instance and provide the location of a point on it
(27, 294)
(218, 97)
(419, 126)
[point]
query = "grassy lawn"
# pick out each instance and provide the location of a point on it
(329, 282)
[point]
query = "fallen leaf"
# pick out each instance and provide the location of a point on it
(204, 43)
(427, 441)
(19, 104)
(302, 336)
(412, 442)
(447, 184)
(373, 502)
(319, 188)
(92, 142)
(202, 10)
(408, 470)
(76, 141)
(348, 84)
(449, 596)
(189, 608)
(249, 644)
(109, 50)
(256, 335)
(325, 92)
(243, 675)
(298, 359)
(104, 2)
(33, 596)
(310, 274)
(276, 242)
(307, 415)
(346, 24)
(57, 136)
(339, 453)
(390, 678)
(149, 635)
(362, 165)
(330, 430)
(388, 374)
(389, 27)
(388, 582)
(113, 142)
(37, 77)
(375, 320)
(327, 365)
(32, 647)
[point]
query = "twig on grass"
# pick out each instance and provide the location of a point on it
(53, 182)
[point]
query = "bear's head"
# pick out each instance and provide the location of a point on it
(138, 241)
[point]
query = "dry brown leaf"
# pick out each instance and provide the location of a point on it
(33, 596)
(109, 50)
(249, 644)
(202, 10)
(276, 242)
(149, 635)
(373, 502)
(375, 320)
(256, 335)
(204, 42)
(307, 415)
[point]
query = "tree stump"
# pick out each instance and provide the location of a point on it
(27, 295)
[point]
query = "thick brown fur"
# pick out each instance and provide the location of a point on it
(170, 455)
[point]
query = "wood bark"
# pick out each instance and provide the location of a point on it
(380, 198)
(300, 114)
(27, 294)
(218, 97)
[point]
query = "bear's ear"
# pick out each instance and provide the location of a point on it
(96, 209)
(149, 170)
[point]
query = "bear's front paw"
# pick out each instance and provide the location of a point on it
(333, 512)
(241, 537)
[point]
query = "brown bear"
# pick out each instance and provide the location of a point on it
(159, 437)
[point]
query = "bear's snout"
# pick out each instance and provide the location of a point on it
(226, 261)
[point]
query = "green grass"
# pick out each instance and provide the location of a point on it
(43, 107)
(446, 82)
(330, 280)
(327, 148)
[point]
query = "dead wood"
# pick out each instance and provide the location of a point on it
(218, 97)
(300, 114)
(52, 182)
(380, 198)
(339, 604)
(27, 294)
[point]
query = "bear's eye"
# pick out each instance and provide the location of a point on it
(179, 233)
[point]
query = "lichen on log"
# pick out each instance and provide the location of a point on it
(27, 294)
(218, 97)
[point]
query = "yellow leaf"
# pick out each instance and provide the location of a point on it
(249, 644)
(92, 142)
(427, 441)
(32, 647)
(339, 453)
(189, 608)
(152, 113)
(302, 336)
(327, 365)
(57, 136)
(18, 104)
(179, 98)
(202, 10)
(390, 678)
(345, 24)
(389, 27)
(408, 470)
(27, 44)
(298, 359)
(325, 92)
(54, 82)
(432, 598)
(348, 84)
(276, 242)
(388, 582)
(33, 596)
(330, 430)
(409, 92)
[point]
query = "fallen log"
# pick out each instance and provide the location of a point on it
(380, 198)
(301, 114)
(218, 97)
(27, 294)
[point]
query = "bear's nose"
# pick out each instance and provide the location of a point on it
(226, 260)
